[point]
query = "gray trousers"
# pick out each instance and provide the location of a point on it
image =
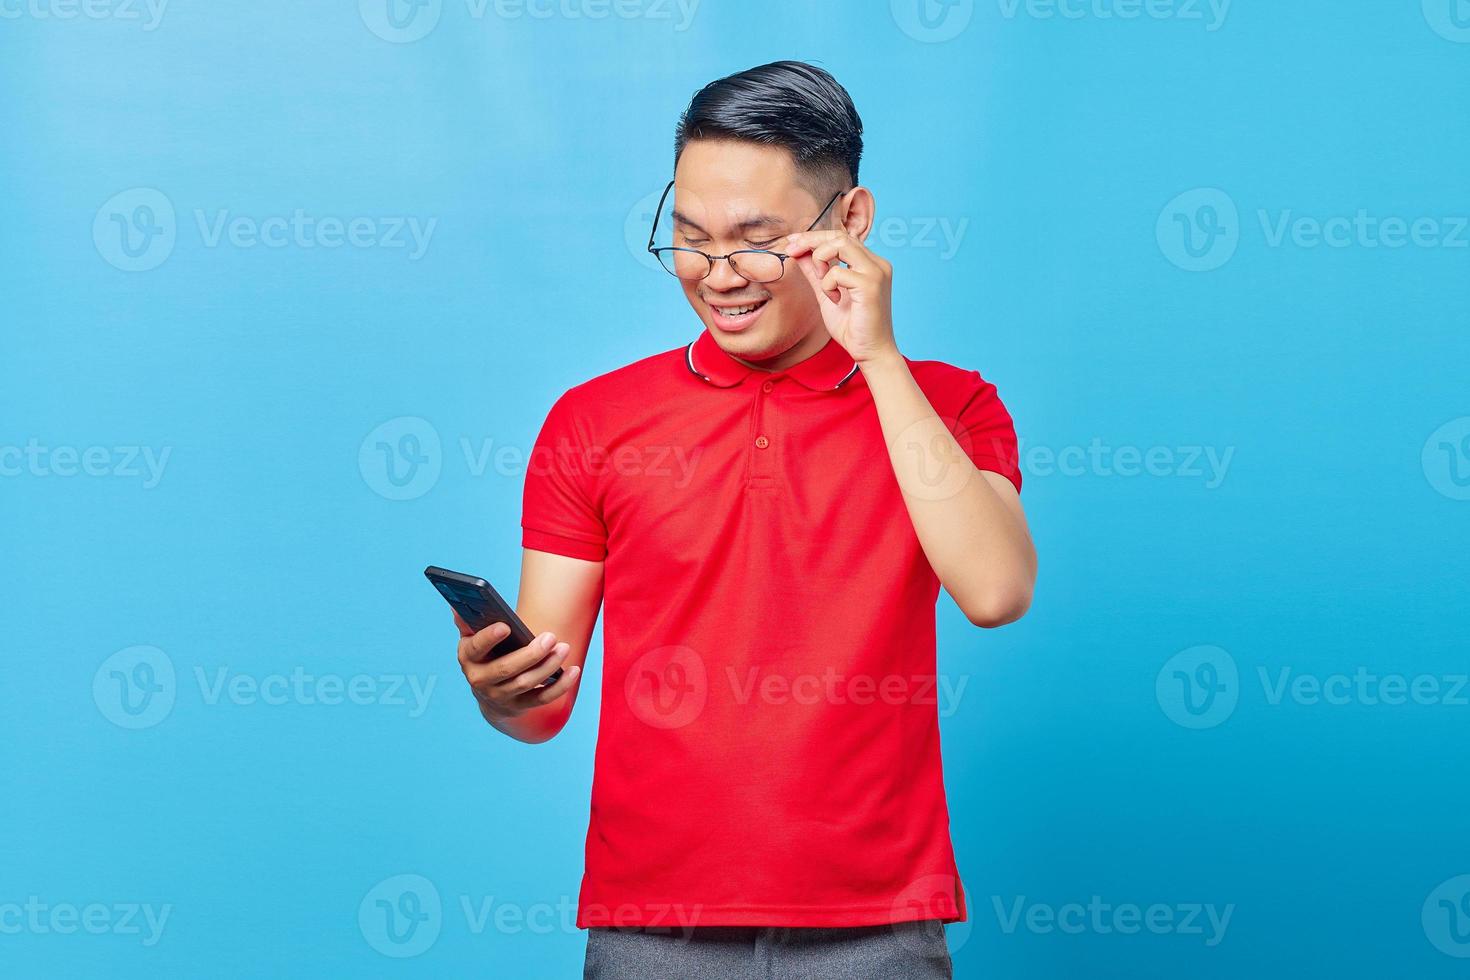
(900, 951)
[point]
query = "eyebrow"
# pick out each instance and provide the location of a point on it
(759, 221)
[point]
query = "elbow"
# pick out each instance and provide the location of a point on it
(999, 606)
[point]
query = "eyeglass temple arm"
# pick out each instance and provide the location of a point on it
(656, 212)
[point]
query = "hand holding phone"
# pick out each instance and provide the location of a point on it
(510, 670)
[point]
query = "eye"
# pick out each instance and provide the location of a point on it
(763, 244)
(694, 242)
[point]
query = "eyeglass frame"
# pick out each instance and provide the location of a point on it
(712, 259)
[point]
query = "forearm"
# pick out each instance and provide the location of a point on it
(976, 541)
(535, 726)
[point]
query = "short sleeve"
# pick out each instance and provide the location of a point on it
(985, 431)
(559, 509)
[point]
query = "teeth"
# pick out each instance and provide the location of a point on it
(738, 310)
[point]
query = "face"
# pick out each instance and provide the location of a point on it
(730, 195)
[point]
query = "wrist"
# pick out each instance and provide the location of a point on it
(884, 361)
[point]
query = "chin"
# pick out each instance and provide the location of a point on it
(753, 345)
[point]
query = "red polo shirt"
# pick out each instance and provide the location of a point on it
(768, 752)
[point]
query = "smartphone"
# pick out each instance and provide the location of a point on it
(479, 605)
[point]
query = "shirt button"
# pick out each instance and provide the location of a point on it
(768, 386)
(761, 442)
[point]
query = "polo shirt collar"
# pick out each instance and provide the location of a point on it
(826, 370)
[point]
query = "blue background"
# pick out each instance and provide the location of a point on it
(1335, 539)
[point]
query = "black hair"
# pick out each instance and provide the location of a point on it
(787, 103)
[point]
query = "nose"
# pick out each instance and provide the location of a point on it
(723, 277)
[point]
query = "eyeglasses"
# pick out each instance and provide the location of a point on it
(750, 264)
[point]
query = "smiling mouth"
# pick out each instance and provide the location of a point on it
(735, 317)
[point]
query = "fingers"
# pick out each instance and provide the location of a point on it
(845, 278)
(512, 664)
(828, 246)
(533, 676)
(552, 692)
(476, 646)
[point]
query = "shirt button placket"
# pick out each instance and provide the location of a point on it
(761, 467)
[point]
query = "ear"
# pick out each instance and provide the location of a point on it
(856, 211)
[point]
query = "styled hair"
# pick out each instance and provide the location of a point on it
(787, 103)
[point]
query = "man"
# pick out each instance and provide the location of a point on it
(767, 513)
